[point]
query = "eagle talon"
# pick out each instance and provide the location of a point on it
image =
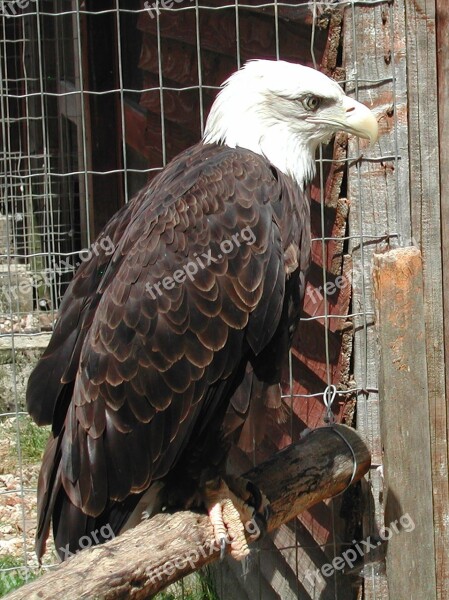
(222, 544)
(232, 514)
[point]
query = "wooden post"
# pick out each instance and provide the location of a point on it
(398, 39)
(425, 203)
(442, 23)
(404, 410)
(378, 189)
(158, 552)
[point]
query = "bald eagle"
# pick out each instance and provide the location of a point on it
(182, 321)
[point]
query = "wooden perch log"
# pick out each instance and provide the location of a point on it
(160, 551)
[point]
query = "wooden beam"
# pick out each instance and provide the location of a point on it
(162, 550)
(378, 191)
(442, 24)
(425, 198)
(403, 389)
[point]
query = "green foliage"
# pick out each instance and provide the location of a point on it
(197, 586)
(33, 439)
(12, 574)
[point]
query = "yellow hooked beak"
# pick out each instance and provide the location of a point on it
(350, 116)
(359, 120)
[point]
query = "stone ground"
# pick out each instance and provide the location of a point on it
(17, 502)
(18, 519)
(18, 358)
(29, 323)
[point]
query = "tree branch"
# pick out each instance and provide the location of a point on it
(160, 551)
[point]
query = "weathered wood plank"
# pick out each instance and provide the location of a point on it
(442, 23)
(398, 286)
(374, 57)
(426, 229)
(162, 550)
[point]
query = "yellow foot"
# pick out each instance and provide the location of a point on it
(235, 514)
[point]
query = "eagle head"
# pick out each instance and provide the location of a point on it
(283, 111)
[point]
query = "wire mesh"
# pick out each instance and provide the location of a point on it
(83, 128)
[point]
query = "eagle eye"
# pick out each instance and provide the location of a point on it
(311, 102)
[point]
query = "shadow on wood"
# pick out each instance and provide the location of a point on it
(158, 552)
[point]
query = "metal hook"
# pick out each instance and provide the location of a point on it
(329, 396)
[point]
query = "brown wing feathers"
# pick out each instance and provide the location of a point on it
(147, 369)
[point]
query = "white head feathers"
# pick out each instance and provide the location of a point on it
(283, 111)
